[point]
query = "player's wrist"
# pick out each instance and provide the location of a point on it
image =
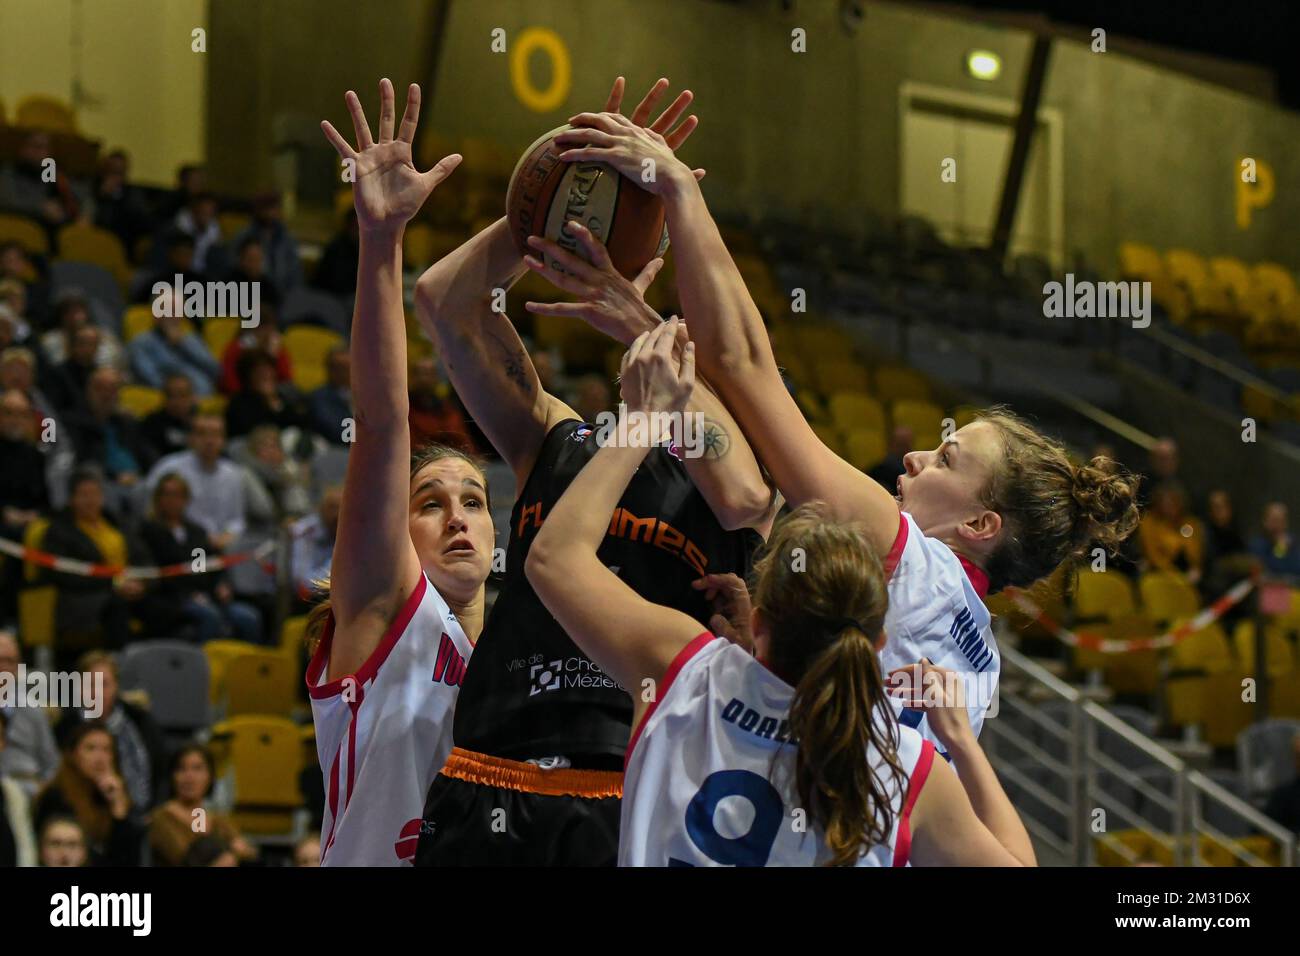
(679, 183)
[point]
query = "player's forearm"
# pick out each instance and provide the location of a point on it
(379, 335)
(465, 280)
(721, 464)
(724, 321)
(989, 800)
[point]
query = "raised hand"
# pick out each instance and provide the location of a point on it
(653, 377)
(608, 302)
(666, 119)
(940, 692)
(387, 190)
(642, 154)
(732, 607)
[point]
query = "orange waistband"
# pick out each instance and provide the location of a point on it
(516, 775)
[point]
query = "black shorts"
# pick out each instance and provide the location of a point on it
(487, 811)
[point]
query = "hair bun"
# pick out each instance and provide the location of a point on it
(1106, 496)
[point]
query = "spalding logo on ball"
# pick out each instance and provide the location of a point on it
(546, 193)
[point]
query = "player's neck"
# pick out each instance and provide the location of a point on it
(470, 613)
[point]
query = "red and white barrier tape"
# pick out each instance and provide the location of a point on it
(1095, 642)
(88, 569)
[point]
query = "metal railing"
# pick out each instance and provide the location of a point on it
(1084, 780)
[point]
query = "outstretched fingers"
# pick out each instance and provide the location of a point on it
(411, 118)
(648, 102)
(614, 101)
(441, 170)
(341, 145)
(359, 123)
(387, 110)
(647, 274)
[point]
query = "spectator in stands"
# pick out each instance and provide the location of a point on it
(901, 441)
(209, 850)
(200, 607)
(549, 372)
(313, 544)
(250, 266)
(1284, 802)
(264, 337)
(175, 250)
(432, 417)
(63, 843)
(1163, 464)
(336, 272)
(66, 383)
(330, 404)
(18, 374)
(71, 312)
(216, 485)
(279, 247)
(169, 348)
(279, 475)
(198, 220)
(191, 180)
(591, 396)
(167, 430)
(110, 440)
(15, 327)
(88, 608)
(183, 819)
(1227, 559)
(23, 492)
(1276, 548)
(307, 851)
(18, 265)
(1223, 538)
(89, 788)
(141, 750)
(30, 756)
(119, 206)
(1171, 539)
(25, 185)
(261, 399)
(17, 840)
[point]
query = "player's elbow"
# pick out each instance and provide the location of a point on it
(745, 505)
(540, 567)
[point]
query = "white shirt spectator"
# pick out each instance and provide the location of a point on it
(313, 550)
(216, 494)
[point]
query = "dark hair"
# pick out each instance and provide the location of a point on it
(423, 457)
(169, 477)
(249, 361)
(181, 754)
(1052, 510)
(821, 591)
(82, 474)
(249, 240)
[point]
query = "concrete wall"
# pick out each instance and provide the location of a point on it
(1150, 154)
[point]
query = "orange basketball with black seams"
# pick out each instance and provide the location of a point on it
(545, 193)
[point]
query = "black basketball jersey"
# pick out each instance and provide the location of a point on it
(529, 691)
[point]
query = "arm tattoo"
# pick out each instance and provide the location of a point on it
(514, 361)
(715, 439)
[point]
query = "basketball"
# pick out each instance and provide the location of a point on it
(545, 193)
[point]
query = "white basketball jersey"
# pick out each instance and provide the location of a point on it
(709, 777)
(936, 612)
(383, 733)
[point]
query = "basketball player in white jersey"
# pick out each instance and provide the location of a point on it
(996, 504)
(794, 758)
(413, 549)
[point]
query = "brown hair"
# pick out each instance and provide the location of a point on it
(1052, 510)
(77, 790)
(424, 456)
(821, 591)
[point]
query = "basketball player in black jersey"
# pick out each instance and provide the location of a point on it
(540, 731)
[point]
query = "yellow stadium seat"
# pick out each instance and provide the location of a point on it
(839, 375)
(25, 232)
(1275, 280)
(1139, 261)
(33, 537)
(1279, 653)
(1205, 650)
(849, 410)
(213, 405)
(220, 653)
(292, 636)
(263, 756)
(864, 448)
(1225, 714)
(308, 347)
(895, 382)
(1130, 672)
(137, 320)
(139, 400)
(925, 418)
(813, 408)
(46, 113)
(1232, 273)
(1185, 266)
(81, 242)
(219, 332)
(1166, 597)
(818, 343)
(1104, 595)
(260, 682)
